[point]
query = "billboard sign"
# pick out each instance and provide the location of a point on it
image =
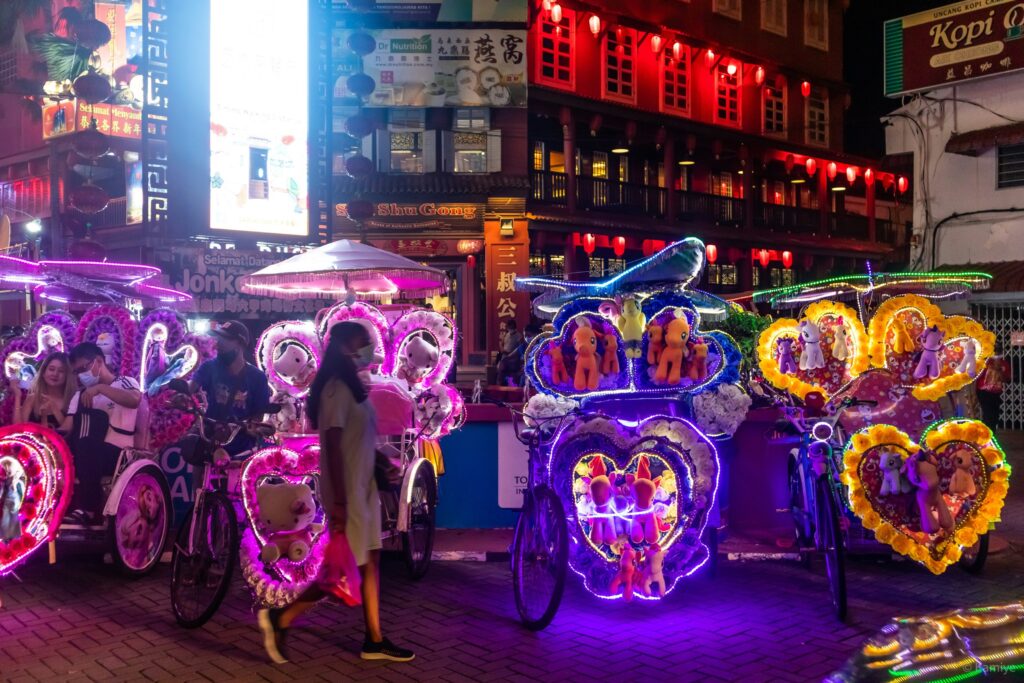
(70, 116)
(259, 117)
(441, 10)
(953, 44)
(437, 67)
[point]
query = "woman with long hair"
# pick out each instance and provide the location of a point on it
(338, 408)
(46, 401)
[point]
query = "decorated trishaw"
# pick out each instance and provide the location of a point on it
(870, 365)
(275, 491)
(621, 481)
(110, 301)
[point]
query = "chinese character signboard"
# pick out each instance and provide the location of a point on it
(440, 10)
(116, 120)
(953, 44)
(505, 262)
(438, 67)
(389, 217)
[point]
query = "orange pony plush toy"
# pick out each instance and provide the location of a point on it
(584, 340)
(901, 339)
(677, 332)
(627, 568)
(559, 375)
(645, 523)
(699, 362)
(610, 359)
(602, 488)
(655, 343)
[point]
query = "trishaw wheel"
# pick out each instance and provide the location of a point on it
(798, 508)
(540, 556)
(831, 540)
(200, 577)
(973, 559)
(418, 541)
(139, 528)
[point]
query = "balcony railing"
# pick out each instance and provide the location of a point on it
(115, 215)
(602, 194)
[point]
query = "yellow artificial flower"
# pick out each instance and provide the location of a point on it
(980, 525)
(861, 443)
(966, 536)
(885, 534)
(901, 544)
(952, 552)
(1000, 474)
(871, 519)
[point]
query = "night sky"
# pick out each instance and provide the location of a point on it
(862, 42)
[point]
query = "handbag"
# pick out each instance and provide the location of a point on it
(339, 574)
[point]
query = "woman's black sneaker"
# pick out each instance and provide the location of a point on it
(273, 635)
(385, 649)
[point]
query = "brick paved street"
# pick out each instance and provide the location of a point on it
(757, 621)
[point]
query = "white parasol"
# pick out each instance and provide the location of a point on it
(342, 268)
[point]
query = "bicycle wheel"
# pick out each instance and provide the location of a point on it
(418, 541)
(798, 509)
(139, 528)
(200, 577)
(831, 544)
(973, 559)
(540, 557)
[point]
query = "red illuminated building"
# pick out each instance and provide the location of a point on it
(721, 119)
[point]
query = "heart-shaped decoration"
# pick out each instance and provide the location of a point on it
(50, 333)
(36, 475)
(639, 494)
(423, 349)
(821, 352)
(289, 353)
(282, 548)
(168, 351)
(114, 331)
(366, 315)
(927, 500)
(896, 405)
(924, 349)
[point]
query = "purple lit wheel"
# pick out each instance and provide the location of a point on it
(139, 527)
(830, 542)
(418, 541)
(973, 559)
(540, 557)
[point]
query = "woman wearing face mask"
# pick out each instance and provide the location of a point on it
(46, 401)
(339, 408)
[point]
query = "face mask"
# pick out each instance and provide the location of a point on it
(88, 378)
(227, 357)
(364, 356)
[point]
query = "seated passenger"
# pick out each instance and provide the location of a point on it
(46, 401)
(102, 423)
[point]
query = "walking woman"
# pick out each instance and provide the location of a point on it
(338, 408)
(46, 402)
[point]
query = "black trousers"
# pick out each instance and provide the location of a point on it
(990, 405)
(93, 461)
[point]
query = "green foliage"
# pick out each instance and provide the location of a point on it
(745, 328)
(65, 60)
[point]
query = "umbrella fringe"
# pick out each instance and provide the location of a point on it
(280, 285)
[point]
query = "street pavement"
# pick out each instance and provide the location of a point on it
(753, 621)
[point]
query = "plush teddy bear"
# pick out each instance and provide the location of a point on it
(677, 333)
(969, 363)
(923, 473)
(627, 568)
(811, 358)
(901, 339)
(631, 323)
(610, 359)
(286, 514)
(584, 340)
(962, 483)
(418, 357)
(294, 364)
(602, 488)
(787, 364)
(931, 344)
(559, 375)
(699, 362)
(655, 343)
(651, 573)
(645, 523)
(105, 340)
(892, 481)
(841, 345)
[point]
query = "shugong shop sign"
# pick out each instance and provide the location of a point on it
(395, 216)
(953, 44)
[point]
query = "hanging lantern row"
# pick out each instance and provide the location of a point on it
(832, 172)
(763, 256)
(589, 241)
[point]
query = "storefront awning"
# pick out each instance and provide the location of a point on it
(973, 143)
(1007, 276)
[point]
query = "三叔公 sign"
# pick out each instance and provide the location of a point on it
(952, 44)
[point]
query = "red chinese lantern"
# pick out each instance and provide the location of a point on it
(647, 247)
(764, 257)
(677, 50)
(656, 42)
(91, 143)
(811, 165)
(787, 258)
(901, 184)
(589, 243)
(360, 210)
(832, 170)
(595, 24)
(556, 13)
(789, 163)
(358, 166)
(851, 174)
(546, 4)
(759, 75)
(805, 89)
(89, 199)
(471, 261)
(712, 253)
(92, 88)
(869, 176)
(710, 56)
(732, 68)
(619, 246)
